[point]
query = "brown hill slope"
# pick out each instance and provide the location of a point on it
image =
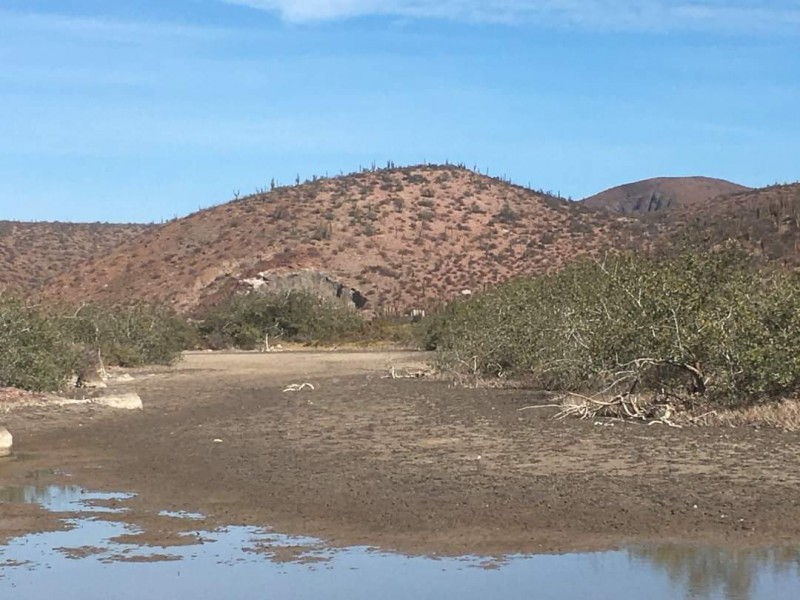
(33, 253)
(403, 237)
(767, 221)
(651, 195)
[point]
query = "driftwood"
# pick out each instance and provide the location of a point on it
(622, 406)
(673, 384)
(395, 373)
(626, 406)
(299, 387)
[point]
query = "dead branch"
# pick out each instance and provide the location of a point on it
(532, 406)
(299, 387)
(623, 406)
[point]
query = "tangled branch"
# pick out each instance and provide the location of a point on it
(622, 406)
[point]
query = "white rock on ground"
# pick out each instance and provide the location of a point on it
(124, 401)
(6, 442)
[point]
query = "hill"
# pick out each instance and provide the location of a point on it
(402, 238)
(397, 239)
(33, 253)
(767, 221)
(652, 195)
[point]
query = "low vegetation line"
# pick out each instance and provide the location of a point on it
(709, 336)
(44, 348)
(636, 337)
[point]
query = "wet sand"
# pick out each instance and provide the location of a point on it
(404, 464)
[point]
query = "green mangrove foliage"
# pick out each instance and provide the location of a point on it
(708, 324)
(42, 347)
(35, 352)
(131, 335)
(244, 320)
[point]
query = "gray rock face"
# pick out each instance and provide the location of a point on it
(306, 280)
(6, 442)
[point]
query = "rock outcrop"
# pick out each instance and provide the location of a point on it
(306, 280)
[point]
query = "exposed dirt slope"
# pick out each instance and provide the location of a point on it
(403, 237)
(659, 194)
(33, 253)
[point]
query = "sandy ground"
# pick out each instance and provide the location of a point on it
(404, 464)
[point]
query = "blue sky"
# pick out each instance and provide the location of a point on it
(123, 110)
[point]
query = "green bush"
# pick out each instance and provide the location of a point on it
(709, 324)
(243, 320)
(131, 335)
(42, 347)
(396, 331)
(35, 354)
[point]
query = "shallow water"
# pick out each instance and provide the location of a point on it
(240, 562)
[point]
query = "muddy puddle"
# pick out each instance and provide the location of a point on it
(101, 554)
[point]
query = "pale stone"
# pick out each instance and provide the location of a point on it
(6, 442)
(124, 402)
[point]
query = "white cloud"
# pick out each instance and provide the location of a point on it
(614, 15)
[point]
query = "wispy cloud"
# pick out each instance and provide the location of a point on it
(613, 15)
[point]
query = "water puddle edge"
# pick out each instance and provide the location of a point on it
(103, 555)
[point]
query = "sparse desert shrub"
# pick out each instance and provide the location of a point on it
(322, 232)
(546, 238)
(507, 214)
(415, 178)
(707, 324)
(384, 271)
(426, 215)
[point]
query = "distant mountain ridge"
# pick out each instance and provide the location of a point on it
(662, 193)
(402, 237)
(396, 239)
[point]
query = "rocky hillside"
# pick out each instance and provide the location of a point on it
(767, 221)
(398, 239)
(401, 238)
(33, 253)
(652, 195)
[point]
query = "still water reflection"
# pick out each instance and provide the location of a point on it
(720, 572)
(238, 562)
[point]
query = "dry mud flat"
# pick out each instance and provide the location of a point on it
(406, 464)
